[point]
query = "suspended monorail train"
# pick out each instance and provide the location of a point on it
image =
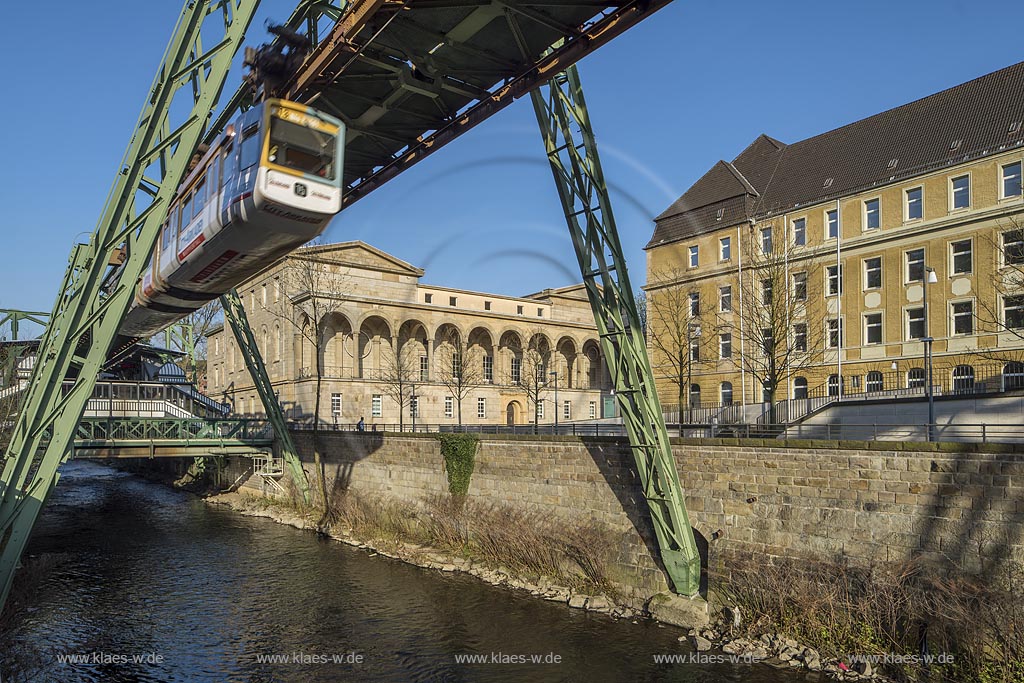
(267, 185)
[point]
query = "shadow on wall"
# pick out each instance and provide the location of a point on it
(615, 462)
(975, 521)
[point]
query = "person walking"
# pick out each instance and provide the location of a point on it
(361, 425)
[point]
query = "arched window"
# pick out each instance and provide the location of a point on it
(695, 396)
(833, 385)
(277, 341)
(800, 387)
(725, 393)
(1013, 376)
(963, 379)
(874, 382)
(915, 378)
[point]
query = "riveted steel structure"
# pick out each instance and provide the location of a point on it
(234, 314)
(572, 152)
(98, 289)
(14, 319)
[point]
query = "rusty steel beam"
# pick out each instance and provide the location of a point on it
(534, 76)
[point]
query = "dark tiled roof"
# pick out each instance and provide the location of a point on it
(944, 129)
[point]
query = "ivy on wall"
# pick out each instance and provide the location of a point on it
(459, 451)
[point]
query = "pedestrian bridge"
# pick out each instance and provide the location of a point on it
(106, 438)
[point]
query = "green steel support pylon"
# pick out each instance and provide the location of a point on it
(15, 318)
(572, 152)
(88, 310)
(234, 315)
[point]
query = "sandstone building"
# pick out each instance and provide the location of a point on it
(385, 335)
(823, 266)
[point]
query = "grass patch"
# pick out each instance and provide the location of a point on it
(900, 609)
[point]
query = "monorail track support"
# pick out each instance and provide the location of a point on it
(572, 152)
(86, 316)
(234, 315)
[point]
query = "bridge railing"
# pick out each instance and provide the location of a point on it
(107, 429)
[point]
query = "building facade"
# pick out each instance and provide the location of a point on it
(389, 344)
(827, 265)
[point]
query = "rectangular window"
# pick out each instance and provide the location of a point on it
(800, 286)
(915, 265)
(540, 312)
(540, 409)
(831, 224)
(481, 407)
(834, 336)
(961, 198)
(725, 345)
(694, 257)
(962, 261)
(963, 317)
(488, 368)
(725, 299)
(250, 149)
(766, 292)
(800, 337)
(519, 310)
(834, 280)
(453, 301)
(487, 305)
(424, 368)
(414, 406)
(873, 272)
(449, 406)
(694, 304)
(872, 215)
(263, 295)
(800, 232)
(428, 298)
(915, 323)
(593, 410)
(694, 348)
(767, 342)
(1013, 312)
(766, 240)
(725, 248)
(1011, 185)
(873, 328)
(915, 204)
(567, 410)
(336, 405)
(517, 370)
(377, 406)
(1013, 247)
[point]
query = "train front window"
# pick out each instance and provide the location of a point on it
(302, 148)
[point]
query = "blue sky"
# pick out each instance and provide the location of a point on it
(693, 84)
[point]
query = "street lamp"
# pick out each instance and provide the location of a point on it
(929, 278)
(413, 407)
(555, 375)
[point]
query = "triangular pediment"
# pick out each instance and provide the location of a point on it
(358, 254)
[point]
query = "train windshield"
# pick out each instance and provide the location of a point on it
(302, 148)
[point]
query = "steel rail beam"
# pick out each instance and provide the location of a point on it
(85, 317)
(572, 152)
(234, 314)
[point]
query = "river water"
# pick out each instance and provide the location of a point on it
(155, 585)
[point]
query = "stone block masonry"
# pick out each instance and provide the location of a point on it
(855, 502)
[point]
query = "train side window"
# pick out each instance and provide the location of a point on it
(174, 224)
(186, 209)
(212, 175)
(200, 198)
(165, 236)
(250, 149)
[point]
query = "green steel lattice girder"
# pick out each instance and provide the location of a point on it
(234, 314)
(572, 153)
(85, 317)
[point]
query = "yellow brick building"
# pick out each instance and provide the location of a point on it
(822, 266)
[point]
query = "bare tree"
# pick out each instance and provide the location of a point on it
(779, 333)
(196, 325)
(461, 368)
(641, 309)
(1007, 245)
(311, 286)
(533, 373)
(676, 316)
(398, 373)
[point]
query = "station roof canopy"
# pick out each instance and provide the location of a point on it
(409, 76)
